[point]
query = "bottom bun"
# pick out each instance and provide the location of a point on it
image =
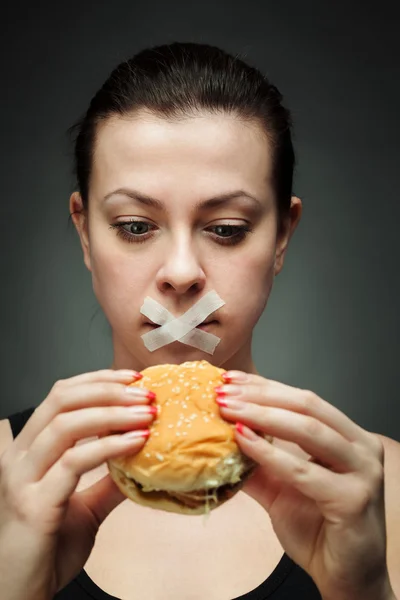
(179, 503)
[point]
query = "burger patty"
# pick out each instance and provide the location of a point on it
(199, 497)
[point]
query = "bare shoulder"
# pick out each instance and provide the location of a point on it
(392, 504)
(6, 436)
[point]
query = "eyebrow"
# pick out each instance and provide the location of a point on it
(205, 204)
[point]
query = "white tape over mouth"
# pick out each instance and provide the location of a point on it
(183, 328)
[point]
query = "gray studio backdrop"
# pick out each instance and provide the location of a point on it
(332, 322)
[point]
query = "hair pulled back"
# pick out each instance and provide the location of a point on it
(179, 80)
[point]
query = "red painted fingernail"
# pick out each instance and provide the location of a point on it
(150, 395)
(218, 390)
(236, 376)
(138, 433)
(221, 402)
(138, 375)
(246, 432)
(226, 377)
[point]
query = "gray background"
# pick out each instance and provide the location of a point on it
(332, 321)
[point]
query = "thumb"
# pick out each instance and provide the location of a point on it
(102, 497)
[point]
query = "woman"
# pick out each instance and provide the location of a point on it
(184, 164)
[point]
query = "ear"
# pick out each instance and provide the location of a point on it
(80, 219)
(290, 226)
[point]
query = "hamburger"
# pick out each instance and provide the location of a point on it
(191, 463)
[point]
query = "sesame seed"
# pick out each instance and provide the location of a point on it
(159, 456)
(179, 423)
(184, 433)
(169, 381)
(147, 455)
(186, 383)
(170, 426)
(177, 433)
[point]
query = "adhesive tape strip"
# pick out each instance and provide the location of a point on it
(181, 328)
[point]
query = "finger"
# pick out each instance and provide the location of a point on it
(63, 477)
(311, 435)
(68, 428)
(276, 394)
(89, 389)
(102, 497)
(312, 480)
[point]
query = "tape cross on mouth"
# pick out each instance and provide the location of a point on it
(183, 328)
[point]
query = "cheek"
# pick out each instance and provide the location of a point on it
(119, 281)
(248, 286)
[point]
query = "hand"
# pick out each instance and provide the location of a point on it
(47, 530)
(328, 510)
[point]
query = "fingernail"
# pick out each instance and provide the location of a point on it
(140, 392)
(129, 374)
(228, 390)
(231, 404)
(234, 376)
(246, 432)
(138, 433)
(140, 410)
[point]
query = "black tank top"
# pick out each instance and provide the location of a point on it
(288, 581)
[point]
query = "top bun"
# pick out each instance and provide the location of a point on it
(191, 462)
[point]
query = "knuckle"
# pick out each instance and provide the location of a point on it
(113, 413)
(309, 402)
(57, 395)
(108, 441)
(67, 461)
(377, 447)
(313, 427)
(105, 389)
(301, 470)
(59, 385)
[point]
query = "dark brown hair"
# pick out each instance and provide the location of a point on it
(178, 80)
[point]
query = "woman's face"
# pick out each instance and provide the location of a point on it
(178, 251)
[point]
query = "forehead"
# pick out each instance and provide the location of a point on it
(199, 152)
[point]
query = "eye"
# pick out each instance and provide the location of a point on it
(138, 236)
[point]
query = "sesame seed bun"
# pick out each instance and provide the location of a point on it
(190, 463)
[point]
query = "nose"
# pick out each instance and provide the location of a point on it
(181, 270)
